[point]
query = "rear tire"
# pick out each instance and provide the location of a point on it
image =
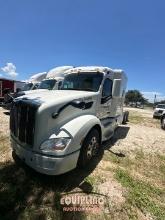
(163, 122)
(90, 148)
(125, 118)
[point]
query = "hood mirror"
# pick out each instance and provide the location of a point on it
(78, 104)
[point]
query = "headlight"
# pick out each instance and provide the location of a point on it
(54, 144)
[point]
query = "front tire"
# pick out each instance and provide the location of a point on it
(90, 148)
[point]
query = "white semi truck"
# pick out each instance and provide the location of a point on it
(59, 130)
(34, 81)
(54, 78)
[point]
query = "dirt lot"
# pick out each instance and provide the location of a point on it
(131, 173)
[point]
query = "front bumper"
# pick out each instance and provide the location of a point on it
(49, 165)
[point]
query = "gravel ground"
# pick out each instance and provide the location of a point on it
(4, 122)
(5, 151)
(147, 139)
(148, 112)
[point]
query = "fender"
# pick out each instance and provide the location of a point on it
(77, 129)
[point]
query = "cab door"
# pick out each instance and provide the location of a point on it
(106, 99)
(105, 109)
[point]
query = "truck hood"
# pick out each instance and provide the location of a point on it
(55, 97)
(33, 91)
(22, 93)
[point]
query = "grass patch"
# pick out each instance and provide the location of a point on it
(141, 194)
(31, 213)
(136, 118)
(91, 180)
(27, 195)
(162, 157)
(149, 166)
(143, 176)
(115, 160)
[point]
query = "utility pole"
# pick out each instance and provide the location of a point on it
(155, 100)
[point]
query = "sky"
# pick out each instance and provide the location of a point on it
(37, 35)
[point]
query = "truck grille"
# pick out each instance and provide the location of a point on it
(160, 111)
(22, 121)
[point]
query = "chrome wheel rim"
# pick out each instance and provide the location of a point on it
(92, 148)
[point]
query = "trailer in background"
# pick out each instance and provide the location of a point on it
(9, 86)
(18, 87)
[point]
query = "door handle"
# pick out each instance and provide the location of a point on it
(108, 112)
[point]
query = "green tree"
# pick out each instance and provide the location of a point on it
(135, 96)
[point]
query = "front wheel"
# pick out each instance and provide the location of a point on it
(90, 148)
(163, 123)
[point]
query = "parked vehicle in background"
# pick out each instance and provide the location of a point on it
(135, 105)
(34, 81)
(158, 111)
(31, 84)
(64, 128)
(162, 120)
(9, 86)
(54, 78)
(52, 81)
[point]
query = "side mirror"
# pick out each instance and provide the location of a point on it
(116, 91)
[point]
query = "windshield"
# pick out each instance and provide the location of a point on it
(161, 106)
(47, 84)
(83, 81)
(27, 86)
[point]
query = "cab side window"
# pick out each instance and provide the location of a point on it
(107, 88)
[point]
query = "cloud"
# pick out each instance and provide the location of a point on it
(151, 96)
(10, 69)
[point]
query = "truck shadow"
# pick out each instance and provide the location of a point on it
(22, 187)
(120, 133)
(64, 182)
(6, 113)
